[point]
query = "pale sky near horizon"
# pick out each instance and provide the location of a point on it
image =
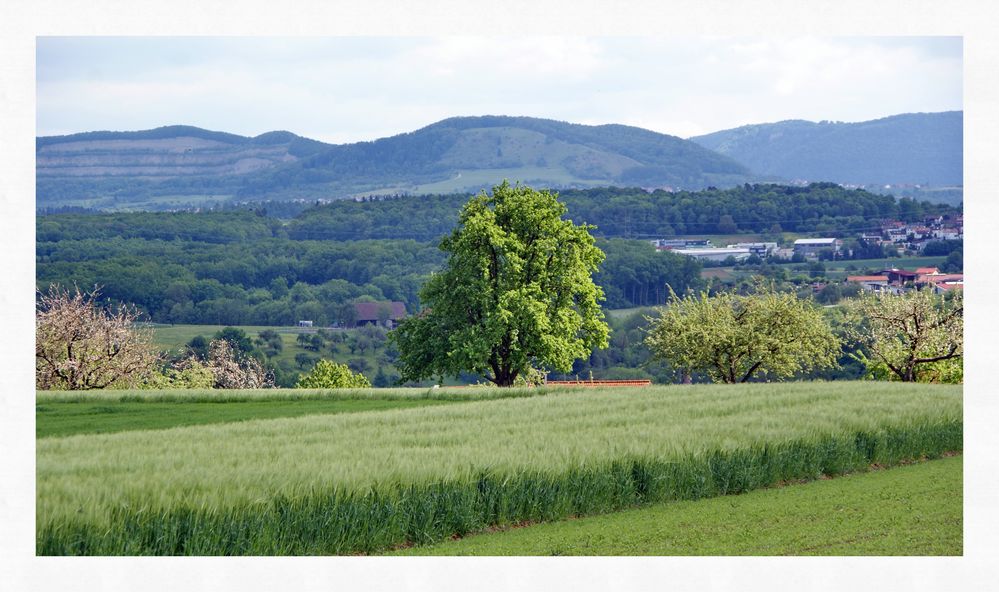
(348, 89)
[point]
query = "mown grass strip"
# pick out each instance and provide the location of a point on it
(909, 510)
(55, 419)
(493, 462)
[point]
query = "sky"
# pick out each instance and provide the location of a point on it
(349, 89)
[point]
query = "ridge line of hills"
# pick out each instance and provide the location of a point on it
(178, 166)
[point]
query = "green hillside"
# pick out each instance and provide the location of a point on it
(157, 169)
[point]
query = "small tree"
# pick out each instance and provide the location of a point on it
(187, 374)
(234, 372)
(517, 292)
(328, 374)
(240, 342)
(80, 346)
(915, 335)
(733, 338)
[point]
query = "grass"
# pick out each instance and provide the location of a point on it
(64, 413)
(241, 395)
(910, 263)
(910, 510)
(65, 419)
(362, 482)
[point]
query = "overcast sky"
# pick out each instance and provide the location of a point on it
(346, 89)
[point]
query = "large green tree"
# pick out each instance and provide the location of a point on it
(516, 293)
(734, 338)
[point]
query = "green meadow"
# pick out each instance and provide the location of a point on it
(910, 510)
(372, 480)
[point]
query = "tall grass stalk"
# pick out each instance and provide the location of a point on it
(366, 482)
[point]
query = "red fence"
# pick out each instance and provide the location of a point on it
(598, 383)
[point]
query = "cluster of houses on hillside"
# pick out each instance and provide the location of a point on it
(898, 281)
(915, 236)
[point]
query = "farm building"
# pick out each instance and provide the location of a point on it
(810, 247)
(758, 249)
(716, 254)
(873, 283)
(379, 313)
(664, 244)
(900, 276)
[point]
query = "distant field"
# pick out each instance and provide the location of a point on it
(909, 263)
(910, 510)
(333, 483)
(722, 273)
(64, 413)
(621, 313)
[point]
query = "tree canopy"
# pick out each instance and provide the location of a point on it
(80, 345)
(516, 293)
(328, 374)
(915, 336)
(734, 338)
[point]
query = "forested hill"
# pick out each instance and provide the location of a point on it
(245, 268)
(181, 166)
(914, 148)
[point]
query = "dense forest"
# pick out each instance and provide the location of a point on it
(243, 267)
(634, 213)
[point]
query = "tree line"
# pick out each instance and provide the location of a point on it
(634, 213)
(237, 267)
(279, 281)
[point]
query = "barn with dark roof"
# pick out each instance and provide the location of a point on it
(380, 313)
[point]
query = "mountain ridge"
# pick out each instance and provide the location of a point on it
(454, 154)
(907, 148)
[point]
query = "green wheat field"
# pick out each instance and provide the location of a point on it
(265, 478)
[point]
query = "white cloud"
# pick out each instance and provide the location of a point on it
(349, 89)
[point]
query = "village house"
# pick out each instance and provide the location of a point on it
(944, 287)
(900, 280)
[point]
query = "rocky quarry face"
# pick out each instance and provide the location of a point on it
(156, 158)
